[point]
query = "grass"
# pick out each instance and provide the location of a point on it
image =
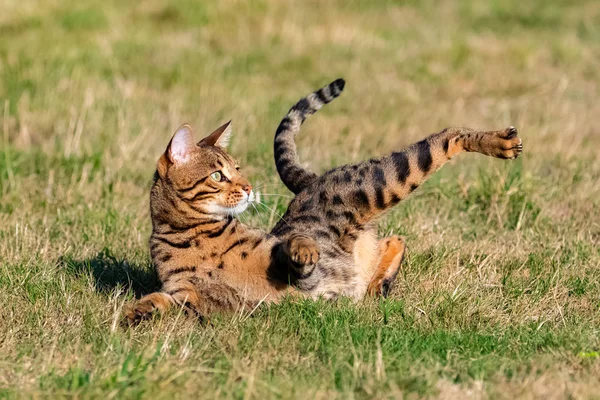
(499, 296)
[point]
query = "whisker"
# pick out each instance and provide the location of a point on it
(273, 211)
(255, 209)
(275, 194)
(261, 185)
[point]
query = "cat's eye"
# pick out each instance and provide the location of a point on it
(217, 176)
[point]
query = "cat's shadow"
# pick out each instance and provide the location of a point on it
(110, 272)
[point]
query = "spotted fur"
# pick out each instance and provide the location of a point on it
(339, 208)
(292, 174)
(324, 246)
(206, 259)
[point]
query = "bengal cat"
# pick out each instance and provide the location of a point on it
(324, 246)
(338, 209)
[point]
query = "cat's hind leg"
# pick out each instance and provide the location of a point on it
(392, 250)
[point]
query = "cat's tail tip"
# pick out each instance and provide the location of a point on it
(323, 96)
(336, 88)
(339, 84)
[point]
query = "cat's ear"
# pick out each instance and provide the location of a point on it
(182, 145)
(220, 137)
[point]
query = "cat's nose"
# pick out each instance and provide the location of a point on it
(247, 189)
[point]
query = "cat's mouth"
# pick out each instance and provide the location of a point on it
(239, 208)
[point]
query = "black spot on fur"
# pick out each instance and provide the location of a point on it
(394, 199)
(321, 96)
(178, 245)
(175, 291)
(424, 159)
(337, 86)
(280, 151)
(379, 198)
(335, 230)
(337, 200)
(303, 106)
(283, 162)
(238, 242)
(218, 232)
(350, 217)
(379, 176)
(281, 230)
(221, 265)
(322, 234)
(323, 197)
(361, 199)
(331, 253)
(165, 257)
(284, 125)
(307, 205)
(243, 255)
(400, 161)
(413, 187)
(180, 270)
(445, 144)
(347, 177)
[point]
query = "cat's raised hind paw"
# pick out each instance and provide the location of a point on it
(303, 250)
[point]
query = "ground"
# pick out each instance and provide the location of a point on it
(499, 295)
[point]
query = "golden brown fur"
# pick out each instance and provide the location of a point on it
(206, 260)
(339, 208)
(324, 246)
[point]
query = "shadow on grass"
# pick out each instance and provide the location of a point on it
(110, 272)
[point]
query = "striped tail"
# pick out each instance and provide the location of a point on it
(293, 175)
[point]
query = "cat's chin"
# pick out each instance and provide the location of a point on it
(240, 208)
(216, 209)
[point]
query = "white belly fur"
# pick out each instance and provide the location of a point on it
(366, 259)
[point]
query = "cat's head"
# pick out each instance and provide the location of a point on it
(202, 176)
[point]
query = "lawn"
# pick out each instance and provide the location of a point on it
(499, 296)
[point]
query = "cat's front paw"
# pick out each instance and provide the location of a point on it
(303, 250)
(136, 313)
